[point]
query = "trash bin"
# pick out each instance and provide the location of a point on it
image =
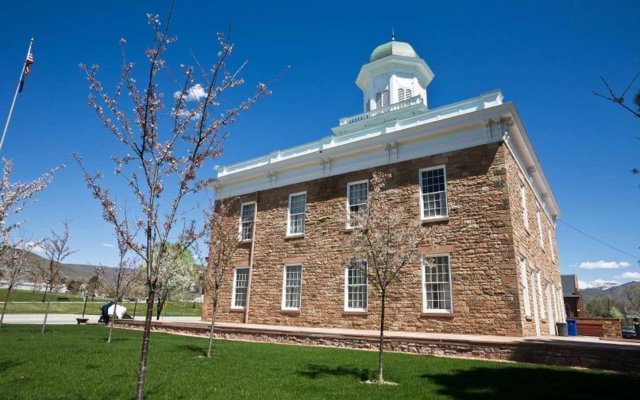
(561, 328)
(572, 327)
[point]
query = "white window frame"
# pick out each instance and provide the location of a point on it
(284, 287)
(525, 287)
(304, 214)
(424, 285)
(233, 292)
(349, 226)
(541, 237)
(543, 312)
(523, 203)
(446, 196)
(346, 288)
(255, 212)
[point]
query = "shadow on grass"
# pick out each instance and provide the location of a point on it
(532, 383)
(197, 350)
(6, 365)
(315, 371)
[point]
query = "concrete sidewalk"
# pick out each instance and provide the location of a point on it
(70, 319)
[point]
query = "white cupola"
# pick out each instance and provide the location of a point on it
(395, 73)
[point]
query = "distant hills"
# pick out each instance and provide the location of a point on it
(616, 293)
(78, 272)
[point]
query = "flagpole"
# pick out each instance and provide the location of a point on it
(15, 95)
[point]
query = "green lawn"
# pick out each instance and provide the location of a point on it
(28, 302)
(74, 362)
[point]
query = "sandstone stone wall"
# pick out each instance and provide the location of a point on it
(539, 258)
(478, 235)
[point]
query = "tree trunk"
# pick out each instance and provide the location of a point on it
(44, 295)
(113, 318)
(144, 351)
(213, 323)
(46, 311)
(381, 345)
(161, 302)
(6, 301)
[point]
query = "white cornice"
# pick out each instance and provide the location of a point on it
(437, 131)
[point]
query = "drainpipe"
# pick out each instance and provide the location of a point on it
(251, 252)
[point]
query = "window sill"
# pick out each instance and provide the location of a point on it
(528, 318)
(433, 219)
(437, 314)
(297, 236)
(246, 241)
(290, 312)
(237, 310)
(355, 312)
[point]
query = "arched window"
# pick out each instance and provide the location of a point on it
(404, 94)
(382, 99)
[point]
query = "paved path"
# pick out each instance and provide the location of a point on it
(70, 319)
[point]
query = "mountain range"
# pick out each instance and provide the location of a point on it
(617, 293)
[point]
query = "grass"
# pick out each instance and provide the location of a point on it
(74, 362)
(28, 302)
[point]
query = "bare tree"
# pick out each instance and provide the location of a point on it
(13, 262)
(632, 294)
(56, 248)
(388, 242)
(162, 152)
(223, 241)
(620, 99)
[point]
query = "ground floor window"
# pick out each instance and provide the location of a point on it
(292, 287)
(436, 288)
(356, 293)
(240, 285)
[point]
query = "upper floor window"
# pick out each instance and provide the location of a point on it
(297, 209)
(540, 237)
(355, 287)
(382, 99)
(247, 217)
(404, 94)
(292, 286)
(357, 195)
(436, 279)
(433, 192)
(523, 203)
(240, 285)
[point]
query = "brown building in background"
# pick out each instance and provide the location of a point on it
(574, 306)
(468, 169)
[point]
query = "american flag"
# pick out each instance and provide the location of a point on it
(27, 65)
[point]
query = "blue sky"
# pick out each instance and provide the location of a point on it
(545, 56)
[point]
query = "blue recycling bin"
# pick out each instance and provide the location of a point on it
(572, 327)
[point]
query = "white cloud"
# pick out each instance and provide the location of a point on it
(603, 264)
(107, 245)
(629, 275)
(598, 283)
(194, 93)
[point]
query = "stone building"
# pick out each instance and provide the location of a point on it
(467, 168)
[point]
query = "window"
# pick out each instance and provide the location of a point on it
(551, 247)
(436, 278)
(357, 194)
(247, 216)
(523, 202)
(240, 285)
(525, 287)
(382, 99)
(297, 209)
(355, 291)
(404, 94)
(292, 287)
(540, 298)
(433, 189)
(541, 238)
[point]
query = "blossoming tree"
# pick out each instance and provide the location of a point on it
(163, 152)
